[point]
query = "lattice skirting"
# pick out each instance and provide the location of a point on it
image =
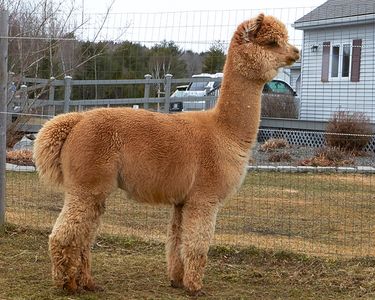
(314, 139)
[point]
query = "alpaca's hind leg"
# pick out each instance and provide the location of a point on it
(85, 279)
(173, 248)
(198, 226)
(71, 238)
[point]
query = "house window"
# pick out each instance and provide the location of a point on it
(345, 60)
(340, 60)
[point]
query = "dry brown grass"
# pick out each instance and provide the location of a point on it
(328, 157)
(329, 215)
(310, 213)
(132, 269)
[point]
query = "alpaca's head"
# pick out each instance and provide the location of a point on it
(260, 47)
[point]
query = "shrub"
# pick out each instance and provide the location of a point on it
(13, 137)
(278, 157)
(344, 122)
(328, 157)
(279, 106)
(20, 157)
(272, 144)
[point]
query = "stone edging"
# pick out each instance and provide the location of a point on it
(17, 168)
(305, 169)
(285, 169)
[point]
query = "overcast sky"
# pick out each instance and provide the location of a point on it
(192, 24)
(125, 6)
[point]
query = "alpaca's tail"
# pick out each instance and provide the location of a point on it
(48, 145)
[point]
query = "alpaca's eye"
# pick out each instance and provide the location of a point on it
(272, 43)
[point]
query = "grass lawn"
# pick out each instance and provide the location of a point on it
(133, 269)
(312, 213)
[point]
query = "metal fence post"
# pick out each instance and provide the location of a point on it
(67, 92)
(167, 90)
(207, 102)
(12, 88)
(51, 97)
(147, 90)
(23, 98)
(4, 16)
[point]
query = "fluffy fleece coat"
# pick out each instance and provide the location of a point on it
(190, 161)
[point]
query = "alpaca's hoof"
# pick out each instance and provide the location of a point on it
(176, 284)
(93, 288)
(195, 294)
(71, 287)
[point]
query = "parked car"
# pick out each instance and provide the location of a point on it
(196, 89)
(278, 86)
(279, 99)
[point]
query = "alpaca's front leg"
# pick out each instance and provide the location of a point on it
(173, 248)
(70, 241)
(198, 226)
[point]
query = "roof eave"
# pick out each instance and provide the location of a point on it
(364, 19)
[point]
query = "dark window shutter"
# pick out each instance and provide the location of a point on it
(325, 61)
(356, 60)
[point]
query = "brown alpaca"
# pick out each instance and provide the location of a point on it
(191, 161)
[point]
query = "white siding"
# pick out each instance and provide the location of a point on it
(320, 99)
(283, 74)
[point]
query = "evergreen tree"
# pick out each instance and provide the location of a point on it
(165, 58)
(214, 59)
(129, 61)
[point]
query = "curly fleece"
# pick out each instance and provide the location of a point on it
(191, 161)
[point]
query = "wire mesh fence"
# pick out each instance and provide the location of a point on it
(312, 212)
(298, 197)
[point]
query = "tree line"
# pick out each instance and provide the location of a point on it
(121, 60)
(42, 44)
(129, 60)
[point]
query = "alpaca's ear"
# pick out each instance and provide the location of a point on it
(251, 30)
(257, 24)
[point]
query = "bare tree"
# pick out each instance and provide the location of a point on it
(166, 58)
(193, 62)
(44, 42)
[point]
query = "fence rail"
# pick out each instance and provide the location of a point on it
(68, 83)
(81, 104)
(303, 132)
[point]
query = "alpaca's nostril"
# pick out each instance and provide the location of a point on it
(295, 50)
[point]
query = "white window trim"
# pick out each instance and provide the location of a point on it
(341, 44)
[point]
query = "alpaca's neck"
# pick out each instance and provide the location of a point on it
(238, 107)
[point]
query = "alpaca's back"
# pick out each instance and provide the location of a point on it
(152, 156)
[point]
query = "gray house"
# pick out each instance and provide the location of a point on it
(338, 59)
